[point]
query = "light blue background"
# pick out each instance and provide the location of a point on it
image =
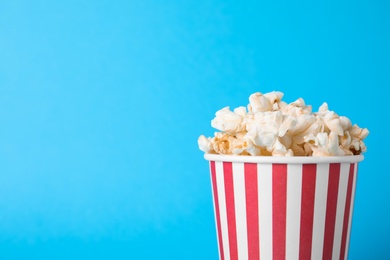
(102, 102)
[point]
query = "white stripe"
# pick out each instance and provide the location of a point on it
(341, 197)
(240, 208)
(320, 210)
(265, 209)
(293, 221)
(215, 211)
(222, 208)
(351, 210)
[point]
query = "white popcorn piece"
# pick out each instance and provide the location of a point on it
(345, 140)
(306, 123)
(279, 106)
(298, 149)
(222, 143)
(204, 144)
(259, 103)
(299, 103)
(272, 127)
(313, 125)
(297, 108)
(274, 96)
(244, 145)
(357, 146)
(332, 122)
(228, 121)
(323, 108)
(360, 133)
(307, 149)
(289, 122)
(333, 144)
(280, 150)
(263, 128)
(241, 111)
(263, 139)
(286, 140)
(316, 144)
(363, 147)
(345, 123)
(324, 145)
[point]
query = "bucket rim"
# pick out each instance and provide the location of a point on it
(284, 159)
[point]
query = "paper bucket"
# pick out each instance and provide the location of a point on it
(275, 208)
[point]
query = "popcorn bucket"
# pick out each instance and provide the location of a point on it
(283, 207)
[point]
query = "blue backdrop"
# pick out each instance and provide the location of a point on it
(102, 102)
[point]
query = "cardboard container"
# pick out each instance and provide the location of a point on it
(283, 207)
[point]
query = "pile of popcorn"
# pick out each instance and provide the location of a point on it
(271, 127)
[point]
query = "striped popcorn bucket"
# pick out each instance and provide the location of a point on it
(283, 207)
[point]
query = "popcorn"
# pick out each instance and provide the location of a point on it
(331, 119)
(228, 121)
(274, 96)
(222, 143)
(272, 127)
(297, 108)
(245, 146)
(263, 127)
(205, 144)
(323, 144)
(280, 150)
(259, 103)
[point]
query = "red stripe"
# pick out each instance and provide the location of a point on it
(331, 205)
(252, 210)
(307, 210)
(230, 210)
(279, 201)
(347, 212)
(216, 204)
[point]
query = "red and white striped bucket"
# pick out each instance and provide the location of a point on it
(277, 208)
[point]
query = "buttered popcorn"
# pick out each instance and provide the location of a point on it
(271, 127)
